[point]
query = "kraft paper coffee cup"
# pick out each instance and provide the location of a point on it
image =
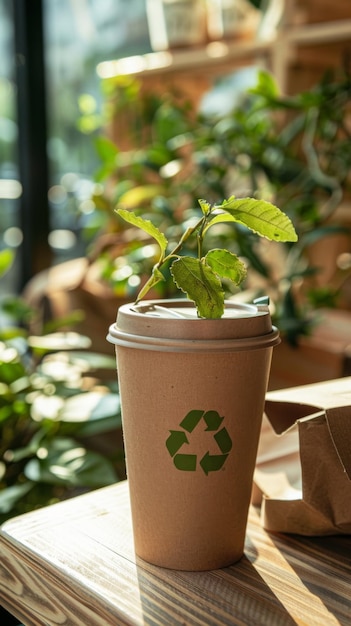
(192, 397)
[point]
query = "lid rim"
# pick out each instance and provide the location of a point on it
(242, 321)
(121, 338)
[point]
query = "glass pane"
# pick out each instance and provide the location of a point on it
(10, 188)
(78, 35)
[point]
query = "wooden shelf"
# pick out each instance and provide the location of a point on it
(215, 54)
(322, 32)
(276, 53)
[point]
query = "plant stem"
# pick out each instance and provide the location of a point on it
(173, 254)
(188, 233)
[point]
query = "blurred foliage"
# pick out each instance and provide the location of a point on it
(292, 150)
(53, 406)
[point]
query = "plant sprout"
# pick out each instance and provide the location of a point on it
(200, 277)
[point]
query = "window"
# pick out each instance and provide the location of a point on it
(77, 35)
(10, 187)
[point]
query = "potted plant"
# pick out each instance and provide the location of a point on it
(193, 375)
(176, 23)
(231, 18)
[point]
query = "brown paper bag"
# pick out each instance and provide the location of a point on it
(306, 488)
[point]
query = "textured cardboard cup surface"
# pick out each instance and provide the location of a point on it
(191, 424)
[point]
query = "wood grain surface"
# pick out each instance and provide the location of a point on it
(73, 564)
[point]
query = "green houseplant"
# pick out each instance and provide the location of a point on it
(292, 149)
(56, 400)
(159, 154)
(193, 374)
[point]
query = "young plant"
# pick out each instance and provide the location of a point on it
(200, 278)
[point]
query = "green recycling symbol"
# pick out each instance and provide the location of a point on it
(209, 462)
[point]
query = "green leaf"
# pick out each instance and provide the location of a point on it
(29, 450)
(10, 496)
(6, 412)
(220, 218)
(74, 318)
(205, 206)
(12, 332)
(71, 465)
(17, 308)
(200, 284)
(6, 259)
(137, 196)
(147, 226)
(10, 372)
(226, 265)
(94, 360)
(90, 406)
(261, 217)
(106, 149)
(46, 407)
(105, 425)
(169, 122)
(266, 85)
(59, 341)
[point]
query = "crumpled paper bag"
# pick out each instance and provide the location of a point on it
(303, 470)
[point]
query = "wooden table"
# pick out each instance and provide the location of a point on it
(73, 563)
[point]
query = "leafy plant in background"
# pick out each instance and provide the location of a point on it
(295, 150)
(52, 408)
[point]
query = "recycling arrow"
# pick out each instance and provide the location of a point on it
(191, 420)
(175, 441)
(212, 462)
(185, 462)
(223, 440)
(209, 462)
(213, 420)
